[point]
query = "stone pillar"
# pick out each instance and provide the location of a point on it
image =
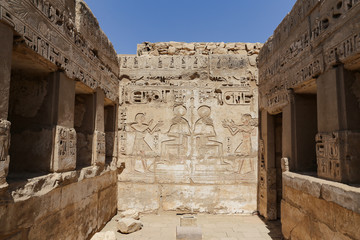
(338, 138)
(6, 43)
(111, 133)
(267, 168)
(64, 147)
(98, 149)
(288, 132)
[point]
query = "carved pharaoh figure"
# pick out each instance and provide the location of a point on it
(204, 132)
(179, 132)
(141, 147)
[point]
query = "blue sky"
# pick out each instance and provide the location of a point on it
(129, 22)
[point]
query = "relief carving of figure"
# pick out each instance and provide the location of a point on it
(4, 139)
(179, 133)
(244, 148)
(142, 128)
(204, 132)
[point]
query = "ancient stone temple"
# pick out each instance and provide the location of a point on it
(181, 128)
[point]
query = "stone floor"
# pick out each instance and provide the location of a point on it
(214, 227)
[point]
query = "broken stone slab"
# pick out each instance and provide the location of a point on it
(110, 235)
(129, 225)
(188, 233)
(131, 213)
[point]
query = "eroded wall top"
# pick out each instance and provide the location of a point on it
(199, 48)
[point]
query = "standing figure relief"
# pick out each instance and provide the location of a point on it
(246, 127)
(141, 127)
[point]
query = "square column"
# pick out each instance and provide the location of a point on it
(6, 43)
(98, 147)
(267, 168)
(338, 138)
(64, 147)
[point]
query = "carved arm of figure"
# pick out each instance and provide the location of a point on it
(233, 128)
(156, 127)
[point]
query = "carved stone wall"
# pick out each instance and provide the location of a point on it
(188, 128)
(59, 32)
(308, 72)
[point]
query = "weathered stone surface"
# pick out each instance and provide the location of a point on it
(60, 200)
(210, 199)
(305, 215)
(188, 233)
(129, 225)
(188, 221)
(180, 124)
(109, 235)
(140, 197)
(131, 213)
(205, 48)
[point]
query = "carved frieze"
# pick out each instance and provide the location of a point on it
(64, 153)
(328, 155)
(99, 148)
(49, 30)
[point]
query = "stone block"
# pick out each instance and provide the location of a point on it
(188, 233)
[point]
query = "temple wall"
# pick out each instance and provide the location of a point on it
(59, 78)
(319, 209)
(188, 131)
(310, 112)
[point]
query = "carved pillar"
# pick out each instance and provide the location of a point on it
(6, 43)
(338, 138)
(267, 168)
(111, 133)
(98, 155)
(64, 146)
(288, 131)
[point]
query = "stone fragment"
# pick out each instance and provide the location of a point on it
(129, 225)
(188, 233)
(171, 50)
(110, 235)
(131, 213)
(189, 46)
(220, 50)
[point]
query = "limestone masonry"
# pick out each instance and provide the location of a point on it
(188, 129)
(183, 128)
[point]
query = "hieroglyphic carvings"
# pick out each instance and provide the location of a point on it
(49, 29)
(64, 156)
(4, 150)
(294, 55)
(99, 148)
(328, 155)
